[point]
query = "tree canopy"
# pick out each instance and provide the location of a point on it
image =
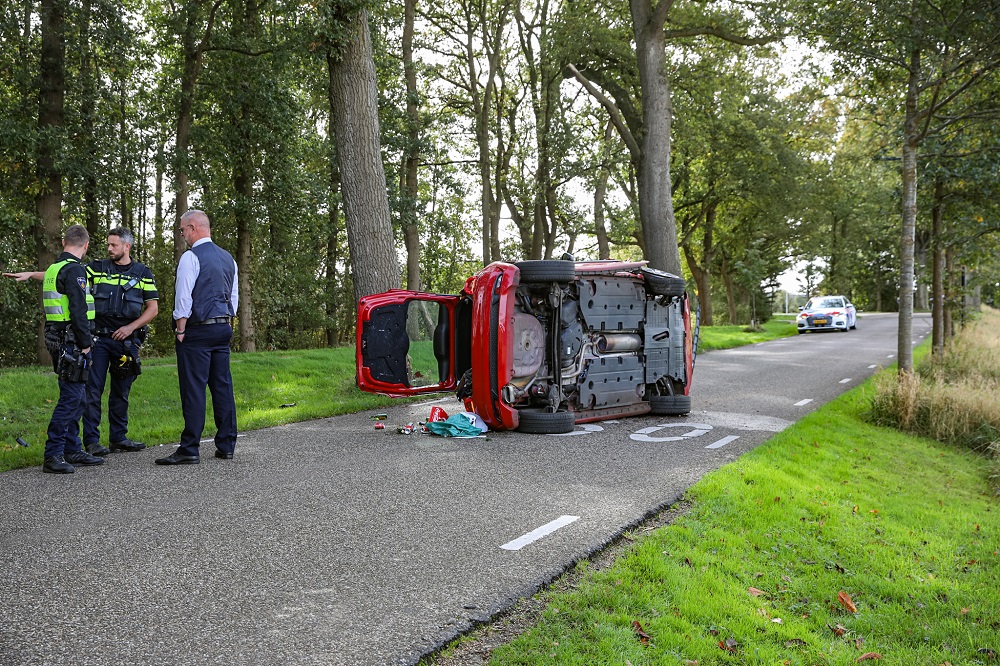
(348, 146)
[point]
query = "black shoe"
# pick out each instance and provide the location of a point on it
(83, 459)
(127, 445)
(178, 459)
(223, 455)
(57, 465)
(95, 449)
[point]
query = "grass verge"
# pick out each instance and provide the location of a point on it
(727, 337)
(836, 542)
(272, 388)
(955, 398)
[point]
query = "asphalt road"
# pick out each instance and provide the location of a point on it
(329, 542)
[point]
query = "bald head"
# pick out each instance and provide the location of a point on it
(195, 226)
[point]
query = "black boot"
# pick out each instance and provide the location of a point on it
(57, 465)
(95, 449)
(127, 445)
(83, 459)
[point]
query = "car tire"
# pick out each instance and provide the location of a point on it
(660, 283)
(546, 271)
(542, 422)
(670, 405)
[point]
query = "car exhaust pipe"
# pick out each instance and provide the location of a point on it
(619, 342)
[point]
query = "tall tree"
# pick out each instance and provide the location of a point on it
(647, 130)
(926, 58)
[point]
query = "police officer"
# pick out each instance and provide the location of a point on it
(125, 299)
(69, 317)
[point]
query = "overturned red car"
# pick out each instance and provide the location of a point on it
(537, 346)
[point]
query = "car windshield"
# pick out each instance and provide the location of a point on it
(823, 303)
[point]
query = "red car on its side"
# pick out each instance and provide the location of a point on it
(537, 346)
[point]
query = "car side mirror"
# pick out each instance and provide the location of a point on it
(801, 308)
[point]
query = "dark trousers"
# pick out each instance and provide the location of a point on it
(203, 361)
(64, 427)
(107, 351)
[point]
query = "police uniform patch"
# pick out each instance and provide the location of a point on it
(82, 281)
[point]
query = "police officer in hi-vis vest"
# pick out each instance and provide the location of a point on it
(69, 317)
(125, 299)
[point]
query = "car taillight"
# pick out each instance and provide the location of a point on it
(804, 315)
(835, 313)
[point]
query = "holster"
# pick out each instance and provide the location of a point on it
(126, 365)
(73, 366)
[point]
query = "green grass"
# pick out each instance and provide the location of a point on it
(316, 383)
(727, 337)
(905, 526)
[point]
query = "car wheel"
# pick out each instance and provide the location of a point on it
(670, 405)
(542, 422)
(546, 271)
(660, 283)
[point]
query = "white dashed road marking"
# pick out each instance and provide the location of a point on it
(845, 380)
(536, 534)
(800, 403)
(872, 367)
(643, 434)
(722, 442)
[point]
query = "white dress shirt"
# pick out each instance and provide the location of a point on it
(188, 269)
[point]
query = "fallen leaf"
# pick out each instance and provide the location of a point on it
(855, 510)
(869, 655)
(687, 562)
(795, 642)
(754, 591)
(776, 620)
(839, 630)
(690, 662)
(777, 499)
(964, 611)
(858, 642)
(839, 568)
(989, 652)
(644, 638)
(873, 511)
(730, 645)
(713, 631)
(845, 601)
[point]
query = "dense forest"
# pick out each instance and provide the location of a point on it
(342, 147)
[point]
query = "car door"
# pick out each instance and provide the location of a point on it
(406, 343)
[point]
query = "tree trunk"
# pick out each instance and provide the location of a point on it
(51, 100)
(410, 224)
(88, 100)
(911, 140)
(243, 188)
(366, 204)
(656, 208)
(727, 280)
(333, 255)
(193, 56)
(921, 299)
(937, 272)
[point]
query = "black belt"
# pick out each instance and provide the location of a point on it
(213, 320)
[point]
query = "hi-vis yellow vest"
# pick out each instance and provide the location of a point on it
(55, 304)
